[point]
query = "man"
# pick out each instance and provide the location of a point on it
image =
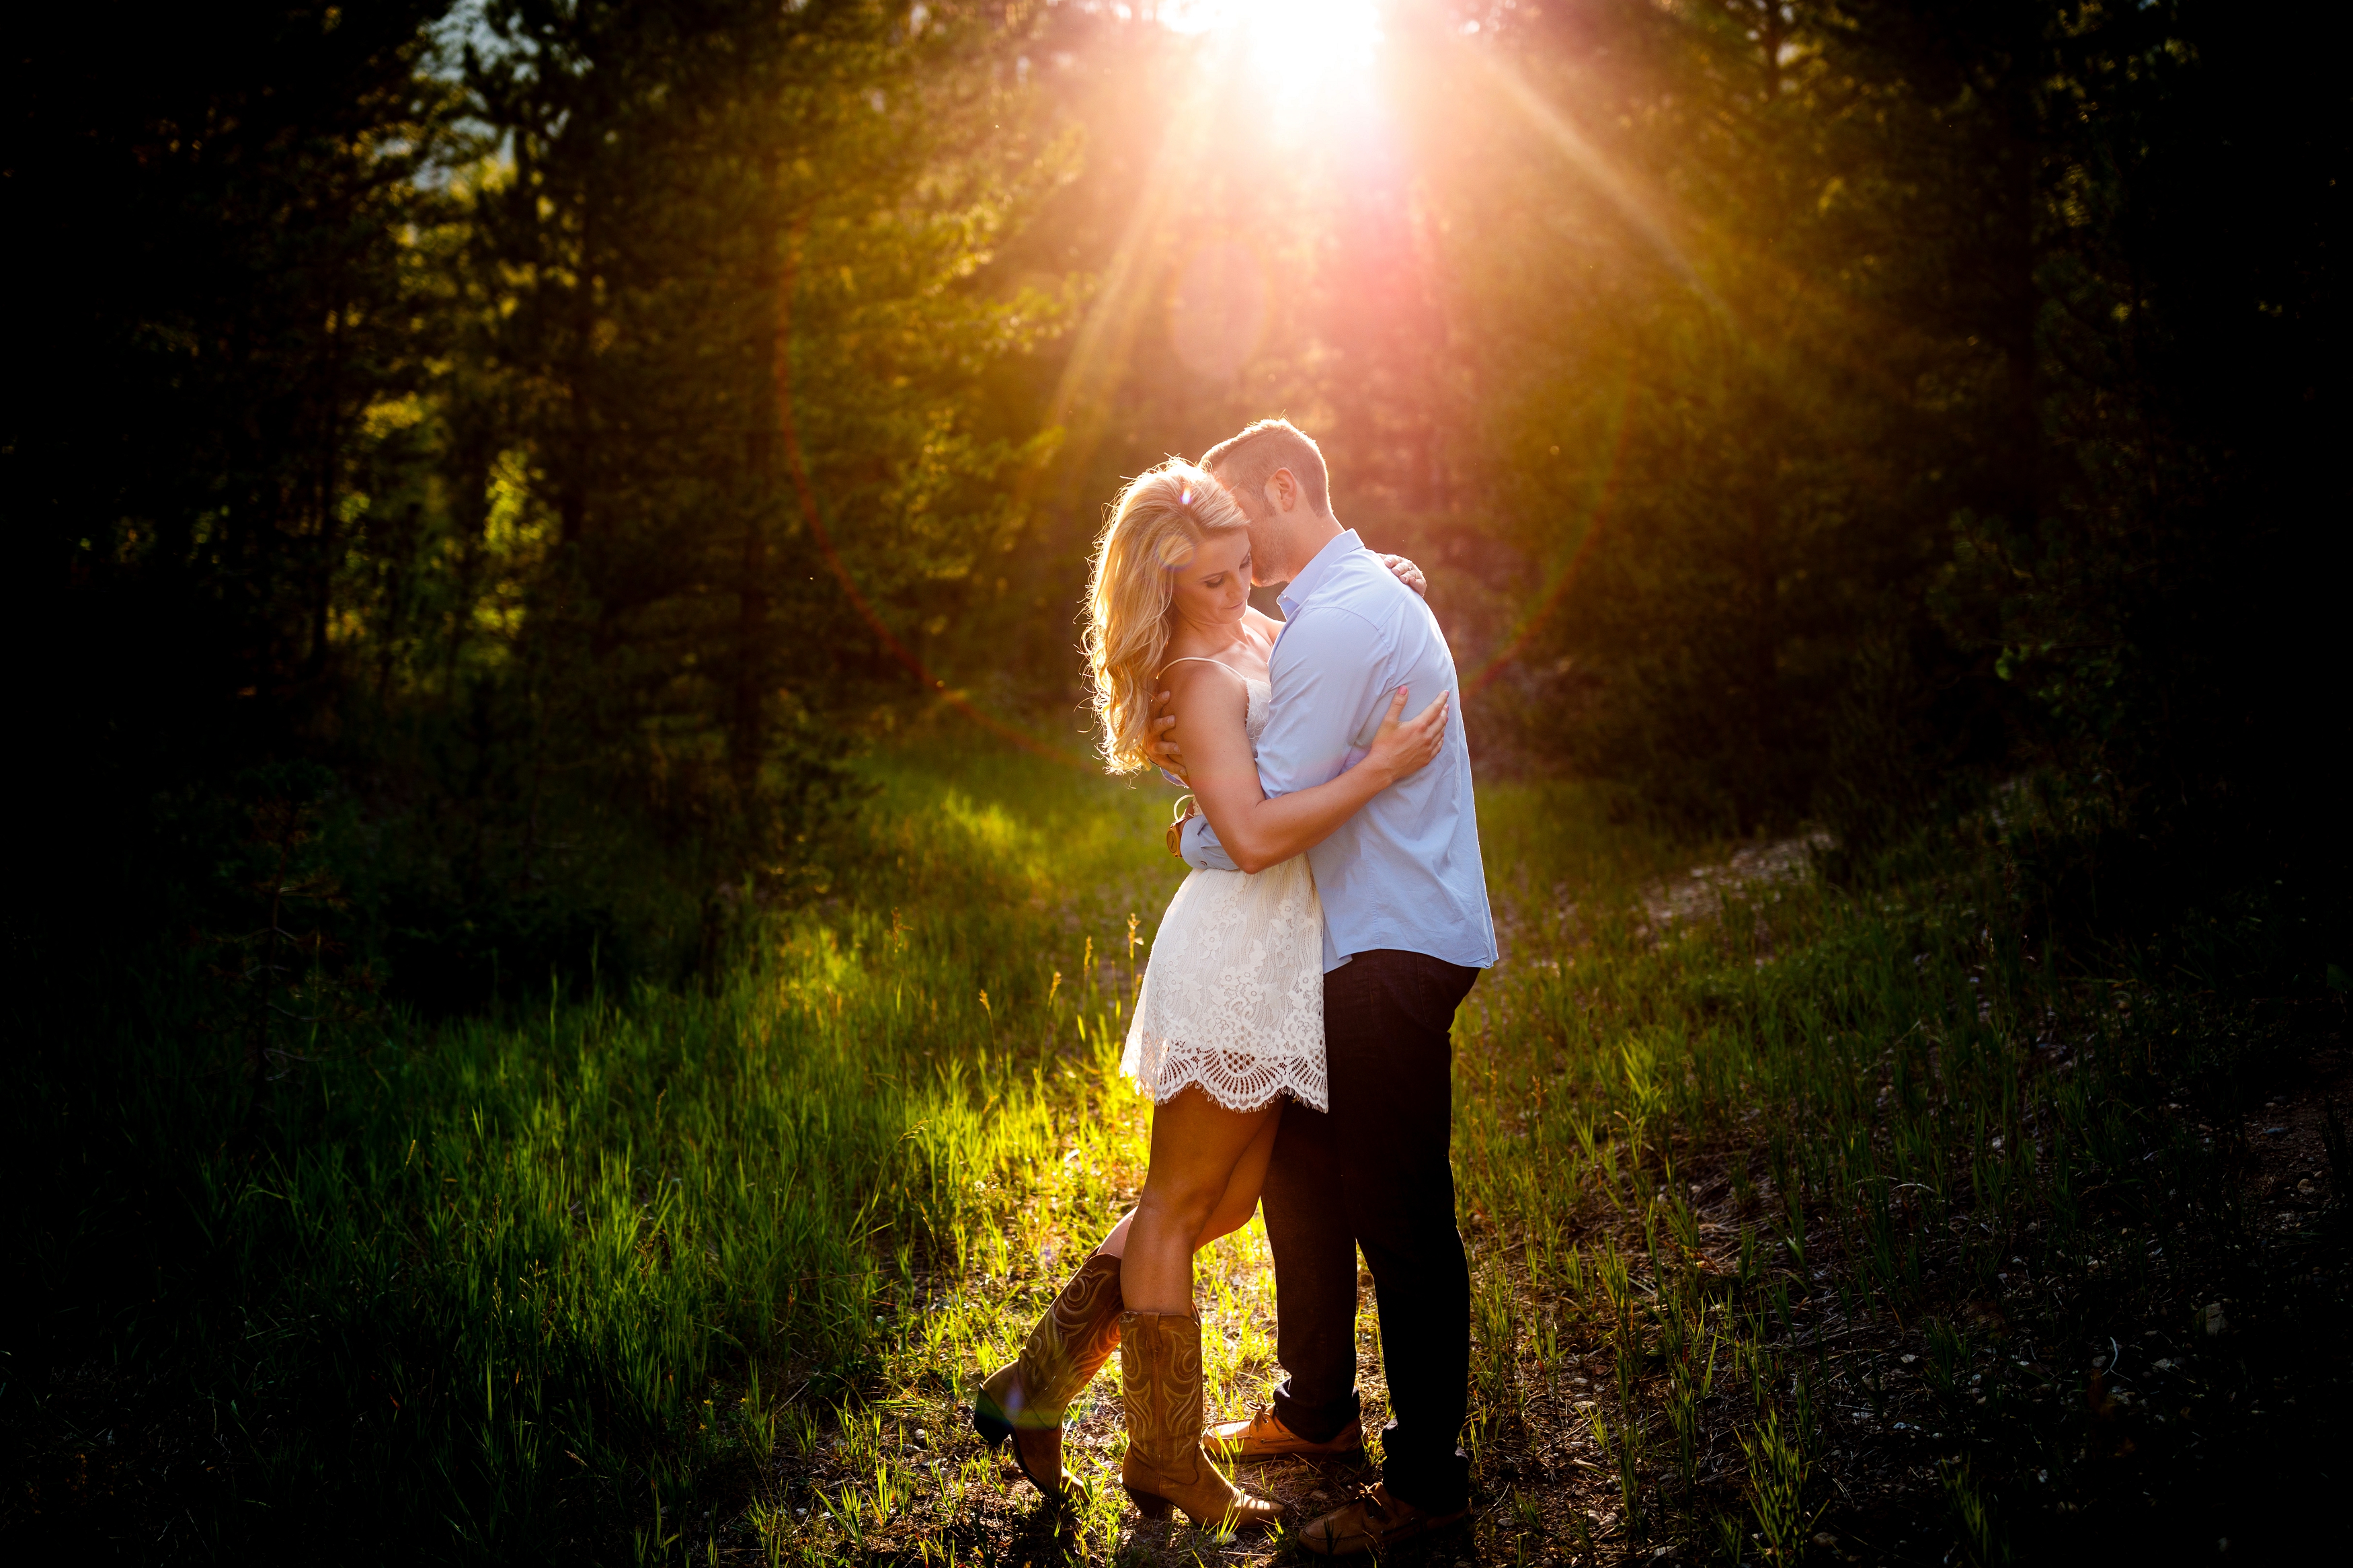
(1406, 930)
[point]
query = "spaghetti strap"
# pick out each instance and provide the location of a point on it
(1257, 695)
(1197, 658)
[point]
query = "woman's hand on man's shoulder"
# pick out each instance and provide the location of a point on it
(1407, 571)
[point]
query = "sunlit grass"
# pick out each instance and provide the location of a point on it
(714, 1275)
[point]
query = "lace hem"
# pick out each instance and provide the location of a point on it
(1237, 1081)
(1233, 993)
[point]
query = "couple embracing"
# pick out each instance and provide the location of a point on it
(1293, 1030)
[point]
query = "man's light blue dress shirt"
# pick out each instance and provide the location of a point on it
(1404, 872)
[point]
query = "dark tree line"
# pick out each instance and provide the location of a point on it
(505, 429)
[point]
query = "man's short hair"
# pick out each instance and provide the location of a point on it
(1244, 463)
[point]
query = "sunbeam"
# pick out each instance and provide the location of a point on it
(1106, 338)
(1636, 208)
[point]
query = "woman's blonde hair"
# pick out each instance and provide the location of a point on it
(1156, 525)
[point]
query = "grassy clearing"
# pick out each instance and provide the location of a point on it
(554, 1281)
(1805, 1222)
(1874, 1225)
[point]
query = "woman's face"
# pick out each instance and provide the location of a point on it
(1213, 588)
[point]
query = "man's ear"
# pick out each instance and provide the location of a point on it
(1283, 490)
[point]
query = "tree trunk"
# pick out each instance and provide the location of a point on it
(747, 733)
(572, 500)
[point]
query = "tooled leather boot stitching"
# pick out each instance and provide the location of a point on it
(1026, 1398)
(1160, 1364)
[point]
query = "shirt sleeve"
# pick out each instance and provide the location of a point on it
(1327, 672)
(1202, 850)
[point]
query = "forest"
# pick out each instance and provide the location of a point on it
(571, 941)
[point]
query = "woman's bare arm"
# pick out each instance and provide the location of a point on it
(1257, 832)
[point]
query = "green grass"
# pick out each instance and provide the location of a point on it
(1748, 1180)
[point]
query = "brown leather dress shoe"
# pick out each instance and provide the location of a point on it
(1374, 1522)
(1264, 1437)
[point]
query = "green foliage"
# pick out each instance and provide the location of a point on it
(490, 436)
(1777, 1474)
(490, 472)
(1885, 393)
(1972, 1145)
(477, 1286)
(581, 427)
(743, 1251)
(1981, 1536)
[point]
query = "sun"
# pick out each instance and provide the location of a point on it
(1320, 39)
(1305, 42)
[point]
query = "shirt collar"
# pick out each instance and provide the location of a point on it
(1302, 587)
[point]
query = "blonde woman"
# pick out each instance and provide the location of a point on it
(1230, 1018)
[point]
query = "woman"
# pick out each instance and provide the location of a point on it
(1230, 1018)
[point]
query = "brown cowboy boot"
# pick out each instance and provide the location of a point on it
(1026, 1399)
(1160, 1363)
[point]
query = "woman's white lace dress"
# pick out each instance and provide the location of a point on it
(1233, 993)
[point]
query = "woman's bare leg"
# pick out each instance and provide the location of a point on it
(1198, 1147)
(1234, 1209)
(1241, 1200)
